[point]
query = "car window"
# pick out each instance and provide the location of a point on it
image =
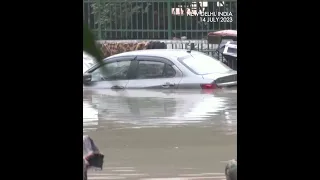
(231, 49)
(204, 64)
(152, 69)
(112, 71)
(169, 71)
(149, 69)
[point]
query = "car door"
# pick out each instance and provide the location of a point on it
(154, 73)
(114, 76)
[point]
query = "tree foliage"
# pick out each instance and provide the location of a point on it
(118, 19)
(117, 15)
(89, 44)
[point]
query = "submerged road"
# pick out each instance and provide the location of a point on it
(154, 135)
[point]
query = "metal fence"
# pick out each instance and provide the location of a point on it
(199, 45)
(158, 19)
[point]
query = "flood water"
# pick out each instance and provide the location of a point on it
(148, 134)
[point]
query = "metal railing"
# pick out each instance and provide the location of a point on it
(158, 19)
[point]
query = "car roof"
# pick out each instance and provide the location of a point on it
(165, 53)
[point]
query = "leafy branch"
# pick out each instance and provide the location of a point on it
(110, 14)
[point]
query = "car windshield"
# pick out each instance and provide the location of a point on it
(204, 64)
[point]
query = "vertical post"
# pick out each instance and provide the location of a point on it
(169, 19)
(99, 19)
(192, 46)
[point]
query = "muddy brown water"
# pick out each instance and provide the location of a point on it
(148, 134)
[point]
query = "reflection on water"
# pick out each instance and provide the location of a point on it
(145, 108)
(161, 134)
(90, 116)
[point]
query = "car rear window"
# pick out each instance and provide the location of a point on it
(204, 64)
(232, 50)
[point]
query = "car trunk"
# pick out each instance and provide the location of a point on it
(223, 80)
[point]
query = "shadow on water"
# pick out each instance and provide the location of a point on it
(163, 133)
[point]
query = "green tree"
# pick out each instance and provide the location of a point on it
(89, 44)
(117, 14)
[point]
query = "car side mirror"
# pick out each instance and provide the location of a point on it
(86, 78)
